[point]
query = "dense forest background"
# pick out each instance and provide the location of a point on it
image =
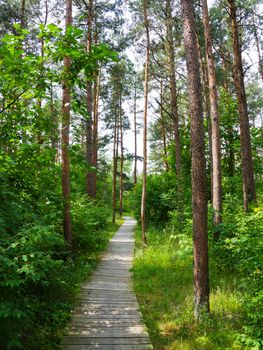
(143, 107)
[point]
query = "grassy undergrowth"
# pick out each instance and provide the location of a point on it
(164, 285)
(38, 312)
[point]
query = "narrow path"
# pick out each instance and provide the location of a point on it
(107, 316)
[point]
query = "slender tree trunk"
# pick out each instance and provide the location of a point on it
(115, 165)
(230, 131)
(199, 201)
(206, 104)
(249, 190)
(146, 88)
(96, 95)
(216, 144)
(135, 133)
(95, 133)
(89, 133)
(260, 61)
(54, 137)
(121, 160)
(65, 140)
(163, 129)
(175, 117)
(23, 14)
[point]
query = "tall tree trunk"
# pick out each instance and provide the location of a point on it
(54, 137)
(216, 145)
(163, 129)
(249, 190)
(115, 165)
(170, 54)
(89, 133)
(145, 114)
(199, 201)
(260, 61)
(95, 133)
(121, 158)
(96, 95)
(135, 133)
(230, 131)
(206, 104)
(65, 140)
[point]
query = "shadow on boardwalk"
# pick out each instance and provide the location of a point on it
(107, 316)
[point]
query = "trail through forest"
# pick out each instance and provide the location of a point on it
(107, 315)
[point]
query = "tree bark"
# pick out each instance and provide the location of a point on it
(230, 131)
(260, 61)
(135, 133)
(249, 190)
(23, 14)
(89, 133)
(95, 133)
(173, 88)
(121, 158)
(146, 88)
(215, 133)
(163, 129)
(115, 164)
(65, 140)
(199, 201)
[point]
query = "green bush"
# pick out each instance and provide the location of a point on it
(88, 223)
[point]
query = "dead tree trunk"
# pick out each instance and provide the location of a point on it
(199, 201)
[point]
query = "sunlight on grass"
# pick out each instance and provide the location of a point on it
(164, 285)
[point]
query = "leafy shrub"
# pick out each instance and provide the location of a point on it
(30, 263)
(161, 198)
(88, 222)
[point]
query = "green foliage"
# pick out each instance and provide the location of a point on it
(240, 250)
(38, 275)
(163, 280)
(161, 198)
(89, 221)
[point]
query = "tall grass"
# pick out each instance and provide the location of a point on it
(164, 285)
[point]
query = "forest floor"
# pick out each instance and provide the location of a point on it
(107, 314)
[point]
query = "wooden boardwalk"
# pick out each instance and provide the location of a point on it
(107, 316)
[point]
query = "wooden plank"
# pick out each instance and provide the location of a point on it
(108, 347)
(107, 316)
(71, 340)
(111, 332)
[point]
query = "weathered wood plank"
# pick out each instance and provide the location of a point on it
(111, 332)
(78, 340)
(109, 347)
(107, 315)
